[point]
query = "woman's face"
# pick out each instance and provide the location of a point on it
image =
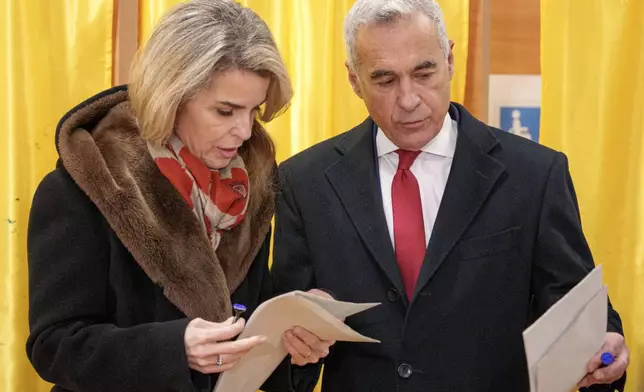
(215, 123)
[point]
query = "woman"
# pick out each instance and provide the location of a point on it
(157, 217)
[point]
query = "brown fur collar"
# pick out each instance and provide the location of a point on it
(100, 147)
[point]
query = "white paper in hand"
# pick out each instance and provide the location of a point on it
(272, 318)
(560, 343)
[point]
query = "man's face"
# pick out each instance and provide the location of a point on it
(403, 77)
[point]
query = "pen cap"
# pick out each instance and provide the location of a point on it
(607, 358)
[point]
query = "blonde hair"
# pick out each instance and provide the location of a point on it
(189, 44)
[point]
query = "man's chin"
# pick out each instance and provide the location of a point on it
(416, 140)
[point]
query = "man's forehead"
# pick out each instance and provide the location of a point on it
(375, 39)
(396, 26)
(399, 59)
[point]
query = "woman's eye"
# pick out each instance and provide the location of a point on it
(225, 113)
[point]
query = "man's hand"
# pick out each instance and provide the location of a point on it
(320, 293)
(303, 346)
(613, 343)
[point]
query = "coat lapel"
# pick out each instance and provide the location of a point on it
(472, 177)
(355, 181)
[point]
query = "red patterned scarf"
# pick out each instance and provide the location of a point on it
(219, 198)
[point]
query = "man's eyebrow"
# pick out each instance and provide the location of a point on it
(429, 64)
(379, 73)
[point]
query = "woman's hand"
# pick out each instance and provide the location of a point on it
(208, 347)
(303, 346)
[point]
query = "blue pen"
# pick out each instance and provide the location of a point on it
(607, 359)
(239, 309)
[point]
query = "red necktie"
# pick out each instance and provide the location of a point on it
(409, 230)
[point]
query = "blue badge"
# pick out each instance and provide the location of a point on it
(521, 121)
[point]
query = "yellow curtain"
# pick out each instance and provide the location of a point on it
(593, 110)
(52, 55)
(309, 34)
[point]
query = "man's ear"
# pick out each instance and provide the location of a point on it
(450, 60)
(353, 79)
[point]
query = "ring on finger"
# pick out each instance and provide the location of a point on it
(307, 354)
(218, 363)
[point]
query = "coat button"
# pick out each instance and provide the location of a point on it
(393, 295)
(404, 370)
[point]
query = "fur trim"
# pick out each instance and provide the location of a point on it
(112, 165)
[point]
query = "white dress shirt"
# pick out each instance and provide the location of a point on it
(431, 169)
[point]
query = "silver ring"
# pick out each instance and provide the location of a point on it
(309, 353)
(218, 363)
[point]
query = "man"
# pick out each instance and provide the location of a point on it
(465, 233)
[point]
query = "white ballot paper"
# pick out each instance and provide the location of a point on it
(560, 343)
(272, 318)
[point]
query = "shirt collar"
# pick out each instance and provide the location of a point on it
(443, 144)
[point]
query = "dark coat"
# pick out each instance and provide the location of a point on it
(506, 245)
(119, 263)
